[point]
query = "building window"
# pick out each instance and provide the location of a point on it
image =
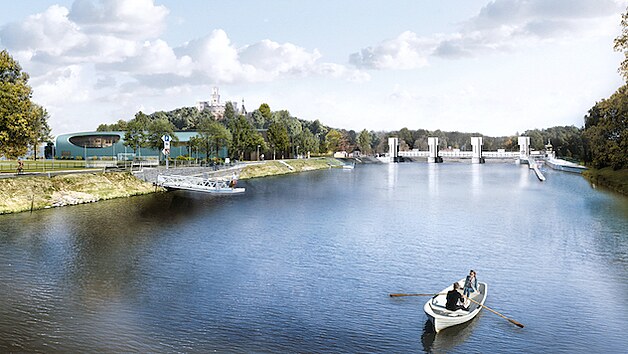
(94, 141)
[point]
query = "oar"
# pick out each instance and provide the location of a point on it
(498, 314)
(398, 295)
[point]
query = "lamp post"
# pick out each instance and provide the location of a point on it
(297, 151)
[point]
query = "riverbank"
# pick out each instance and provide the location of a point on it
(26, 193)
(608, 178)
(40, 192)
(282, 167)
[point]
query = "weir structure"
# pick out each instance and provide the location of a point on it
(477, 155)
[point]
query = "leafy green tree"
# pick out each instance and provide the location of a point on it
(621, 45)
(258, 120)
(213, 136)
(308, 142)
(278, 138)
(135, 135)
(244, 138)
(364, 142)
(120, 125)
(230, 113)
(22, 123)
(606, 131)
(158, 128)
(196, 143)
(319, 131)
(264, 109)
(333, 140)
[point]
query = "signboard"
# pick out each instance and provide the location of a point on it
(167, 144)
(166, 151)
(165, 138)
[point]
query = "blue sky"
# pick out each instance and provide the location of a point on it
(494, 67)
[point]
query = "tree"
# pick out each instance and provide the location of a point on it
(213, 136)
(278, 137)
(244, 138)
(364, 141)
(40, 127)
(308, 142)
(156, 129)
(135, 135)
(195, 143)
(621, 45)
(22, 123)
(606, 131)
(258, 120)
(264, 109)
(333, 140)
(230, 113)
(120, 125)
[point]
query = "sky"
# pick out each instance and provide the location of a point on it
(495, 67)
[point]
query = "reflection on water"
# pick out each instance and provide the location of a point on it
(448, 339)
(304, 264)
(476, 179)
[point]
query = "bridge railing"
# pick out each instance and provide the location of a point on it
(501, 154)
(175, 181)
(462, 154)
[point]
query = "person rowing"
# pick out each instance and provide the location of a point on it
(455, 299)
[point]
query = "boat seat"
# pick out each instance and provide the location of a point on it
(439, 301)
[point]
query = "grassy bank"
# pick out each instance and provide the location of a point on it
(273, 168)
(39, 192)
(607, 177)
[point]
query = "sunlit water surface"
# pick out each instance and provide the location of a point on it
(305, 263)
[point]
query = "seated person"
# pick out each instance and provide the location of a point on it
(453, 296)
(470, 284)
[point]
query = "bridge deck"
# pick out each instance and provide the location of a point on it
(198, 184)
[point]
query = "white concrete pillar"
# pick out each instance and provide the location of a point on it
(524, 147)
(393, 149)
(432, 143)
(476, 143)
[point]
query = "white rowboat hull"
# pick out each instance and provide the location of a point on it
(442, 318)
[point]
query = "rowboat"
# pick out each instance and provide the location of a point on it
(442, 318)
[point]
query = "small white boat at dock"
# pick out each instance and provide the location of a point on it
(443, 318)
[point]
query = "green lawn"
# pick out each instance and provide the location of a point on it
(607, 177)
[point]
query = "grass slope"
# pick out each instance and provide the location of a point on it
(607, 177)
(19, 194)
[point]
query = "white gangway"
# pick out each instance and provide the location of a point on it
(198, 184)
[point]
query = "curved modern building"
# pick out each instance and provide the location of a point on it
(111, 144)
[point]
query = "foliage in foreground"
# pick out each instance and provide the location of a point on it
(23, 124)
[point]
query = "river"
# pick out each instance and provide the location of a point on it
(305, 263)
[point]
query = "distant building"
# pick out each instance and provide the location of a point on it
(96, 145)
(216, 107)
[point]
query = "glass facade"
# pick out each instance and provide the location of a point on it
(95, 141)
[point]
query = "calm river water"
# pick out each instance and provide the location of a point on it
(305, 263)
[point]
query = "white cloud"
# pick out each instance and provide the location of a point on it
(215, 58)
(119, 40)
(49, 32)
(501, 25)
(136, 19)
(61, 86)
(407, 51)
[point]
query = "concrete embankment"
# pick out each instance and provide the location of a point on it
(39, 192)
